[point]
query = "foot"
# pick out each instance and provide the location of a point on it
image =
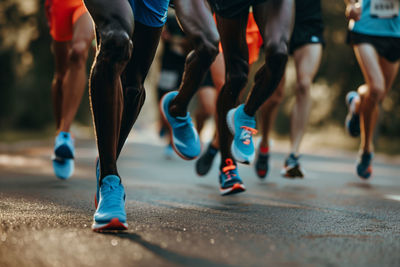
(364, 165)
(63, 158)
(262, 162)
(292, 167)
(185, 139)
(204, 163)
(229, 179)
(64, 146)
(242, 126)
(110, 213)
(352, 122)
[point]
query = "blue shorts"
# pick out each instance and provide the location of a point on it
(152, 13)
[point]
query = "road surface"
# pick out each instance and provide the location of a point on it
(331, 218)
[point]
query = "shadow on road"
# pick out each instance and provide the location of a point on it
(166, 254)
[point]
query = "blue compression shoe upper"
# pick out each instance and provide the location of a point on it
(63, 168)
(110, 212)
(64, 146)
(242, 126)
(352, 122)
(229, 179)
(185, 139)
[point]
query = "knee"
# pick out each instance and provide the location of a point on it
(206, 47)
(116, 46)
(277, 55)
(79, 52)
(376, 91)
(303, 87)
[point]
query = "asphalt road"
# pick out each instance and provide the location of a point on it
(175, 218)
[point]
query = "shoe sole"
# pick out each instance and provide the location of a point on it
(235, 153)
(294, 172)
(236, 188)
(171, 136)
(114, 224)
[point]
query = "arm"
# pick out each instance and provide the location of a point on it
(353, 9)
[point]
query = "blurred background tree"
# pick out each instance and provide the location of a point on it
(26, 70)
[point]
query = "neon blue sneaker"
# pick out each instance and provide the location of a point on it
(63, 168)
(229, 179)
(64, 146)
(364, 165)
(242, 126)
(352, 122)
(110, 213)
(185, 139)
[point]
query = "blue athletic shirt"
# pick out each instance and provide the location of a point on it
(378, 18)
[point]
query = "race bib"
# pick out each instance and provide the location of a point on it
(384, 8)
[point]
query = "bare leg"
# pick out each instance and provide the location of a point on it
(114, 29)
(76, 77)
(207, 98)
(197, 22)
(379, 75)
(267, 113)
(60, 51)
(275, 20)
(307, 60)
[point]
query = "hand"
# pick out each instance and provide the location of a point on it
(353, 11)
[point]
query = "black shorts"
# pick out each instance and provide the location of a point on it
(306, 33)
(387, 47)
(232, 8)
(172, 67)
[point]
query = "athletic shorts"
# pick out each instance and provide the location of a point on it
(387, 47)
(152, 13)
(232, 8)
(61, 16)
(306, 33)
(172, 66)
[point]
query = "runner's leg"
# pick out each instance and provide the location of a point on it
(275, 20)
(114, 28)
(76, 77)
(307, 60)
(197, 22)
(60, 51)
(145, 42)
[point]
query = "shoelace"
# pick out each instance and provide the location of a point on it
(246, 134)
(292, 160)
(111, 198)
(227, 170)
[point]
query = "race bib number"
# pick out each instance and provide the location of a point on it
(384, 8)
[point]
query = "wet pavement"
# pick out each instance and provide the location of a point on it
(330, 218)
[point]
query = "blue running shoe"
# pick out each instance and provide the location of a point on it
(64, 146)
(352, 122)
(364, 166)
(185, 139)
(110, 213)
(229, 179)
(96, 197)
(63, 168)
(242, 126)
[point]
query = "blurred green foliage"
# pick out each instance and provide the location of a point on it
(26, 70)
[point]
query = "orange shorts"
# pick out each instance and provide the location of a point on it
(62, 15)
(253, 39)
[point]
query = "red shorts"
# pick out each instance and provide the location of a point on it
(62, 15)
